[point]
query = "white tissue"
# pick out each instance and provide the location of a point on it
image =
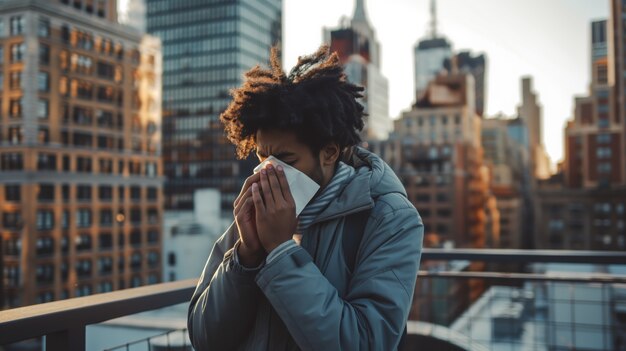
(302, 187)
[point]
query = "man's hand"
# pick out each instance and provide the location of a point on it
(276, 210)
(250, 252)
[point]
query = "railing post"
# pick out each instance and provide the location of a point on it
(67, 340)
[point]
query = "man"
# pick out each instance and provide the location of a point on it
(277, 282)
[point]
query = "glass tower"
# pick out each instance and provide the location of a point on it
(207, 46)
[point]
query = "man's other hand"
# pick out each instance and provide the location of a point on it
(250, 251)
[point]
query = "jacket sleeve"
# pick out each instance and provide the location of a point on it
(373, 313)
(223, 306)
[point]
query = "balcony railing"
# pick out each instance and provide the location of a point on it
(64, 322)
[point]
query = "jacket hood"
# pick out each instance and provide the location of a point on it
(373, 178)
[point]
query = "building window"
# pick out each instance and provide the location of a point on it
(13, 247)
(45, 192)
(44, 54)
(15, 108)
(65, 192)
(66, 163)
(82, 115)
(45, 219)
(12, 192)
(106, 94)
(46, 162)
(15, 135)
(17, 25)
(135, 260)
(83, 269)
(44, 273)
(43, 27)
(17, 52)
(83, 164)
(106, 218)
(12, 161)
(135, 216)
(81, 89)
(42, 109)
(45, 246)
(15, 80)
(43, 135)
(65, 33)
(12, 220)
(151, 169)
(83, 192)
(603, 152)
(43, 81)
(153, 259)
(65, 223)
(83, 218)
(135, 193)
(106, 166)
(152, 194)
(105, 241)
(105, 70)
(442, 197)
(105, 192)
(153, 236)
(153, 216)
(135, 238)
(604, 167)
(1, 54)
(105, 267)
(603, 138)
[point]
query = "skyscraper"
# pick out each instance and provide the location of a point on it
(430, 54)
(359, 51)
(207, 46)
(80, 180)
(530, 113)
(617, 69)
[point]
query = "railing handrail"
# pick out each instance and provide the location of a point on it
(74, 314)
(526, 256)
(32, 321)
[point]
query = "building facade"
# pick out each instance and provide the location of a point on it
(207, 47)
(359, 51)
(81, 180)
(508, 162)
(584, 207)
(436, 152)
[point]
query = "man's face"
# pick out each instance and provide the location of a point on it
(285, 146)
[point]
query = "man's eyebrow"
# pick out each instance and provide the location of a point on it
(285, 154)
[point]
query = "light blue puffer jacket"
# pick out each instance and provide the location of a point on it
(307, 299)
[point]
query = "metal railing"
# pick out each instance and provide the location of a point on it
(64, 322)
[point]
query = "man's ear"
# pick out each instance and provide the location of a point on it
(329, 154)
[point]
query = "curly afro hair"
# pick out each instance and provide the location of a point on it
(315, 101)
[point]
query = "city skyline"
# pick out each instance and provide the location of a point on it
(302, 33)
